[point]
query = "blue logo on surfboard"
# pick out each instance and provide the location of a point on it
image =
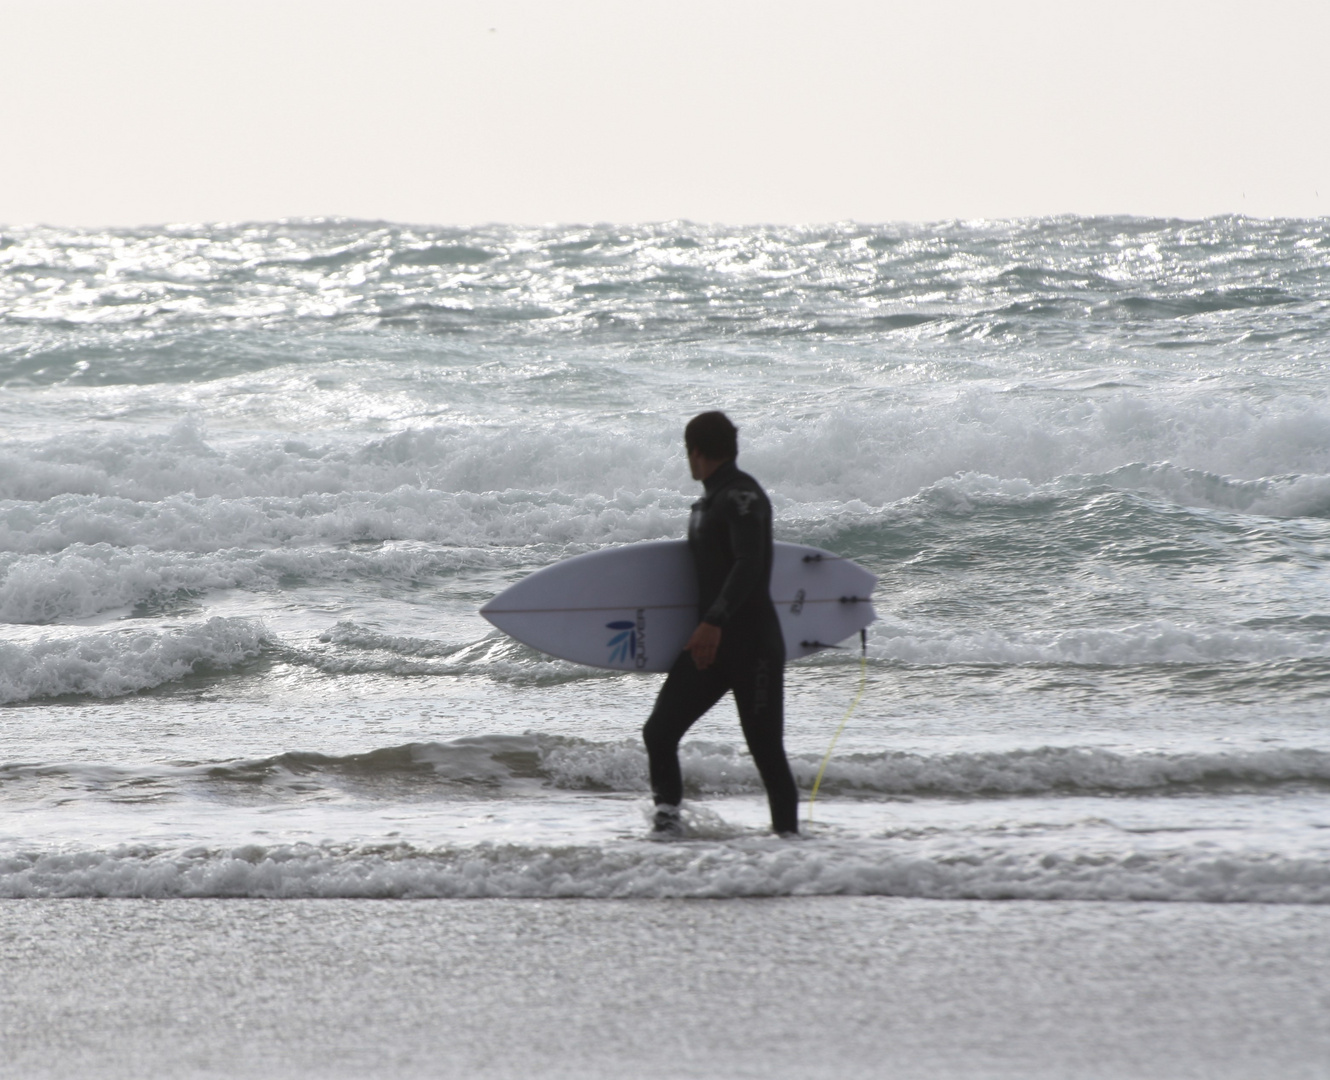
(623, 645)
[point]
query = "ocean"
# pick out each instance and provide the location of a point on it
(256, 479)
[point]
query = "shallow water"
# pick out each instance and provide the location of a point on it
(256, 480)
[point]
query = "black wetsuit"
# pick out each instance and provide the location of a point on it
(729, 535)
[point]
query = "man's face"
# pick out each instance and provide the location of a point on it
(697, 463)
(700, 465)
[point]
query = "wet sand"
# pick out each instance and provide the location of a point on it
(803, 987)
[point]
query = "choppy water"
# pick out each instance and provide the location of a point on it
(256, 480)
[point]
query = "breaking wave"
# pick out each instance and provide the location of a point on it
(119, 662)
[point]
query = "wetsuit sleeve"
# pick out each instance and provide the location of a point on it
(746, 518)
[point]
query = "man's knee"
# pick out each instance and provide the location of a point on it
(656, 733)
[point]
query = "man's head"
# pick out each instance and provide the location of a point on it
(711, 440)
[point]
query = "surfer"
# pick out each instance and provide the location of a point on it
(737, 645)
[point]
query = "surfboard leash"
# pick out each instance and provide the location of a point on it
(863, 680)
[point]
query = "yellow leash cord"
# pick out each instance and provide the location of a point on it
(863, 679)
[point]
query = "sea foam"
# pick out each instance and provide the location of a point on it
(1269, 457)
(744, 867)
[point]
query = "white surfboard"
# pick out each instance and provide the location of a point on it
(632, 608)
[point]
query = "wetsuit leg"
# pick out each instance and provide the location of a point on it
(758, 681)
(686, 695)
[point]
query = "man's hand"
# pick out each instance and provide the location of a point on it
(703, 645)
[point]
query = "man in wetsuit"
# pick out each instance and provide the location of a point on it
(737, 645)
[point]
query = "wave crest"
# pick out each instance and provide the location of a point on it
(126, 661)
(511, 763)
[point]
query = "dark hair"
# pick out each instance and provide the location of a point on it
(713, 436)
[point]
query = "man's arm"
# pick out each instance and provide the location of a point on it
(746, 515)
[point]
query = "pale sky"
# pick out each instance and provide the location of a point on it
(125, 112)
